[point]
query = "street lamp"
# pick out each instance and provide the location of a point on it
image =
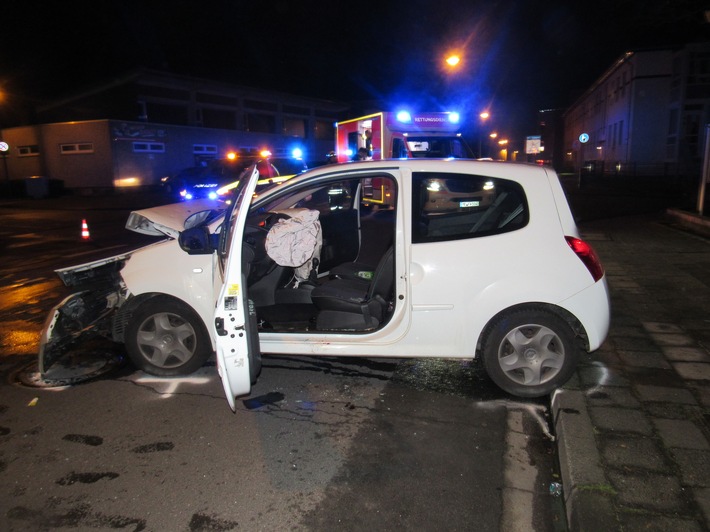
(483, 116)
(453, 60)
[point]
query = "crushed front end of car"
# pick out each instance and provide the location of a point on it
(100, 291)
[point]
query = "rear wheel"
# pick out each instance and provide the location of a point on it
(530, 352)
(167, 338)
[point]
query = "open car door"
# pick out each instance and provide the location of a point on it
(236, 338)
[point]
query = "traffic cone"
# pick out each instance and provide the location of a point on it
(85, 230)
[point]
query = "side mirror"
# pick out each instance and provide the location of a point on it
(196, 241)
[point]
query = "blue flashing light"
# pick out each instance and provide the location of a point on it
(297, 153)
(404, 116)
(188, 196)
(454, 118)
(212, 195)
(349, 152)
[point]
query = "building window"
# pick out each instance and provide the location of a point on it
(204, 149)
(218, 119)
(259, 123)
(294, 127)
(324, 130)
(72, 149)
(148, 147)
(257, 104)
(28, 151)
(167, 114)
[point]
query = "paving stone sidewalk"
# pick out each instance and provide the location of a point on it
(634, 423)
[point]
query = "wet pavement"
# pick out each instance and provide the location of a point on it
(633, 425)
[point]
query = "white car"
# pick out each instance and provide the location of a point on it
(313, 267)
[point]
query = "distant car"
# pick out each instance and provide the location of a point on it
(499, 271)
(213, 179)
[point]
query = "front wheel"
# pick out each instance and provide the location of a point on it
(167, 338)
(530, 352)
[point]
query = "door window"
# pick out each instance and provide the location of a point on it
(456, 206)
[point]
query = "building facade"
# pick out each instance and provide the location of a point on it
(140, 128)
(644, 115)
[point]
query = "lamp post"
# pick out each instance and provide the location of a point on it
(483, 116)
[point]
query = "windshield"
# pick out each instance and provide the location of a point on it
(437, 147)
(225, 236)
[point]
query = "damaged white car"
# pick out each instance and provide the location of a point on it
(405, 258)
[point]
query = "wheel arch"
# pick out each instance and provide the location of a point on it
(576, 326)
(125, 313)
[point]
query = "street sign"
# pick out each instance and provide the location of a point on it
(4, 146)
(533, 144)
(584, 138)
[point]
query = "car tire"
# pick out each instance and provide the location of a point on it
(530, 352)
(167, 338)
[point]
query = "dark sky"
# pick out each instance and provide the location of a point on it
(519, 56)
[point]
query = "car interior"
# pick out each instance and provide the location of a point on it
(345, 231)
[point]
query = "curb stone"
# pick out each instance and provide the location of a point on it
(588, 505)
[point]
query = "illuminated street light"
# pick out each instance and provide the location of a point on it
(453, 60)
(484, 115)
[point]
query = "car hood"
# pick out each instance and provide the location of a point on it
(171, 219)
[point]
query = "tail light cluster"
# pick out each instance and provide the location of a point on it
(587, 255)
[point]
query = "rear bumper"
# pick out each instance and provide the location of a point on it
(593, 309)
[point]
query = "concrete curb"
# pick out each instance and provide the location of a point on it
(586, 490)
(690, 221)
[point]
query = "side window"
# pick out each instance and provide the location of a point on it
(457, 206)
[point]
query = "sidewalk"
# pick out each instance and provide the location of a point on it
(633, 425)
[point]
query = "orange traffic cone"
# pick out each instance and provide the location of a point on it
(85, 230)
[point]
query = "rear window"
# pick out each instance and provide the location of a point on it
(456, 206)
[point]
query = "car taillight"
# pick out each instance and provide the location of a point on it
(587, 255)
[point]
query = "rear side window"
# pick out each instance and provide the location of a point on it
(457, 206)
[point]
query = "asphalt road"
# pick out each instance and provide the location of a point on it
(319, 444)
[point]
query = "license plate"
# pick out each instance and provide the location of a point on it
(469, 204)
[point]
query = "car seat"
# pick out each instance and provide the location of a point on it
(351, 305)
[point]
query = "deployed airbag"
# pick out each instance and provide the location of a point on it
(295, 242)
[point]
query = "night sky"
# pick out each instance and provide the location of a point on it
(519, 56)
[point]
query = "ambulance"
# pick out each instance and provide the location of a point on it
(401, 135)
